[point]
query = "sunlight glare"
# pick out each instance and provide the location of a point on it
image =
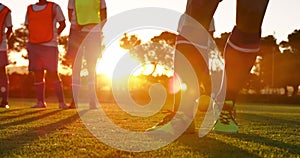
(110, 58)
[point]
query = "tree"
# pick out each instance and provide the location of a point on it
(63, 40)
(294, 41)
(167, 37)
(221, 42)
(290, 61)
(129, 42)
(269, 52)
(157, 52)
(18, 40)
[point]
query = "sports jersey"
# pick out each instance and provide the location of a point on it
(58, 16)
(40, 24)
(6, 23)
(87, 11)
(74, 23)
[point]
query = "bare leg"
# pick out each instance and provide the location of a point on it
(58, 88)
(3, 85)
(202, 11)
(243, 44)
(39, 88)
(240, 53)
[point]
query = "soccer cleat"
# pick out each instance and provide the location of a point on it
(178, 121)
(226, 123)
(164, 121)
(63, 105)
(4, 104)
(40, 105)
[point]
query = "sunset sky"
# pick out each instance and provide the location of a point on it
(282, 17)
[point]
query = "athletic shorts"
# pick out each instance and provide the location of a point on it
(42, 57)
(3, 58)
(79, 45)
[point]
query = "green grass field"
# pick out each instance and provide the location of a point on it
(266, 130)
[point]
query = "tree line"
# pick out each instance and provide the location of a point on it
(276, 66)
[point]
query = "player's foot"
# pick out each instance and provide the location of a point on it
(63, 105)
(72, 105)
(4, 104)
(40, 105)
(178, 121)
(93, 105)
(226, 123)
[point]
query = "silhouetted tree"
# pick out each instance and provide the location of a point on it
(289, 62)
(129, 42)
(221, 42)
(18, 40)
(156, 52)
(63, 40)
(269, 52)
(294, 41)
(167, 37)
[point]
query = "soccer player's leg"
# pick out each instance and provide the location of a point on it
(197, 63)
(35, 66)
(93, 49)
(3, 80)
(75, 39)
(50, 62)
(192, 52)
(39, 88)
(76, 80)
(3, 87)
(58, 88)
(196, 51)
(73, 57)
(240, 54)
(197, 9)
(75, 83)
(198, 60)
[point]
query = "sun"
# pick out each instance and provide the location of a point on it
(107, 63)
(113, 53)
(111, 57)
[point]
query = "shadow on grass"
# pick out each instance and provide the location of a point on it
(27, 120)
(18, 115)
(10, 110)
(211, 147)
(190, 145)
(11, 144)
(291, 148)
(285, 124)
